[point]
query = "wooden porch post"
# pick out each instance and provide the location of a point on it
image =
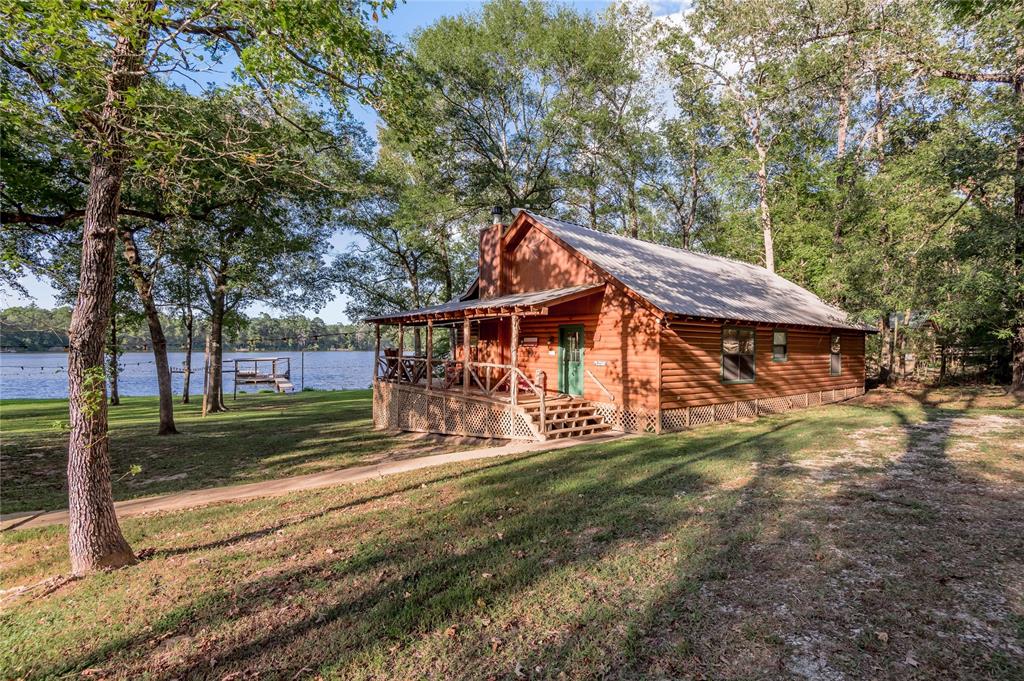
(430, 353)
(514, 359)
(401, 351)
(465, 355)
(376, 352)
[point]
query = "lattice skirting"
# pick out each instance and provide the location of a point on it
(399, 408)
(627, 420)
(680, 419)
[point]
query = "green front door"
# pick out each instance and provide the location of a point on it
(570, 360)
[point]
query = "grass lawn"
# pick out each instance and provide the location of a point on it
(877, 539)
(264, 436)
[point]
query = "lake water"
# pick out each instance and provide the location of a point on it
(44, 374)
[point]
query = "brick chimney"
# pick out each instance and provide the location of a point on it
(491, 258)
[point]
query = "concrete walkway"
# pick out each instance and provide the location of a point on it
(272, 488)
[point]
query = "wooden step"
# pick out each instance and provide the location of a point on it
(560, 409)
(283, 386)
(555, 420)
(579, 430)
(570, 414)
(534, 408)
(555, 424)
(565, 417)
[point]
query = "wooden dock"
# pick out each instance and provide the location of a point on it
(270, 371)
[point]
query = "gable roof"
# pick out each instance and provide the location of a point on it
(686, 283)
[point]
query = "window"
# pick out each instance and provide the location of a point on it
(737, 355)
(836, 360)
(780, 346)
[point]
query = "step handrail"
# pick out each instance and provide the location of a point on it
(611, 397)
(539, 392)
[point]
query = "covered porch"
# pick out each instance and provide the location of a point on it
(455, 369)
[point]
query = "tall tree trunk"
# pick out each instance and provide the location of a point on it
(943, 364)
(213, 393)
(879, 121)
(95, 540)
(144, 287)
(189, 321)
(1017, 329)
(634, 213)
(893, 338)
(902, 343)
(766, 215)
(113, 369)
(446, 263)
(885, 352)
(206, 368)
(842, 131)
(845, 91)
(691, 216)
(592, 208)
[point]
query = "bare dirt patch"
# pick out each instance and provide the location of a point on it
(952, 397)
(898, 561)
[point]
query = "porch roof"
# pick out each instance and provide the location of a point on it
(532, 303)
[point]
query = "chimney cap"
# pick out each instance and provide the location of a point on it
(497, 210)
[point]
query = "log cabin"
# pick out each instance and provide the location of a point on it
(568, 331)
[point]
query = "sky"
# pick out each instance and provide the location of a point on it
(400, 24)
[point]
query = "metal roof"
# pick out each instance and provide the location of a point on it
(523, 303)
(687, 283)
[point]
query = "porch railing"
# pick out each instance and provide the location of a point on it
(486, 378)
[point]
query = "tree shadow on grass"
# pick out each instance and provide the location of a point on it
(507, 528)
(309, 517)
(904, 569)
(261, 439)
(773, 578)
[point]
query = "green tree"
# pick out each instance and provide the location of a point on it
(414, 245)
(489, 93)
(89, 63)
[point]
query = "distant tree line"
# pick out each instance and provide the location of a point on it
(34, 329)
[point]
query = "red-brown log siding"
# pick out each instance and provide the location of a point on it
(620, 348)
(691, 364)
(643, 364)
(537, 263)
